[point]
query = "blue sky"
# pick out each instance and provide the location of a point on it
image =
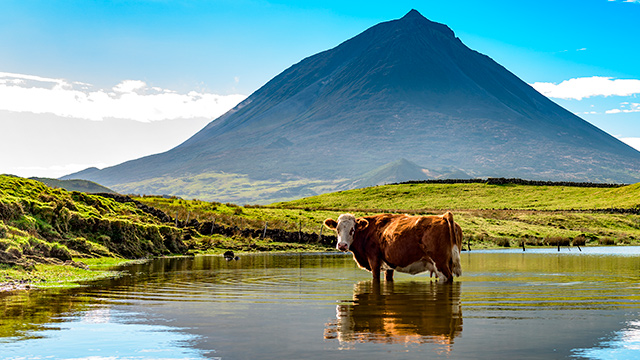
(163, 69)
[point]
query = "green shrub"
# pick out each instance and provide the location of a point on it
(503, 242)
(579, 240)
(607, 241)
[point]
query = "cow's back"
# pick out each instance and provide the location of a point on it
(405, 239)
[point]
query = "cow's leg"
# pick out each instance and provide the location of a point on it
(447, 275)
(388, 275)
(375, 268)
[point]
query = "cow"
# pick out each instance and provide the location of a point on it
(404, 243)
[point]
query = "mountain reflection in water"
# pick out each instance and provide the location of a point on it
(406, 312)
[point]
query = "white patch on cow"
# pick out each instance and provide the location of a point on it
(431, 266)
(417, 267)
(455, 256)
(345, 229)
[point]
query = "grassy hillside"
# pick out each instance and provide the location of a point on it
(75, 185)
(416, 197)
(490, 215)
(40, 224)
(500, 215)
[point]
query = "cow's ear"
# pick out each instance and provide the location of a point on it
(362, 223)
(331, 224)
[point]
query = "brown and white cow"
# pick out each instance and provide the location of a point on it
(409, 244)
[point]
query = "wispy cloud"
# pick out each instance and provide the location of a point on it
(625, 107)
(130, 99)
(580, 88)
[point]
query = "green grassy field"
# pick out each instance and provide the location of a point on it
(490, 215)
(417, 197)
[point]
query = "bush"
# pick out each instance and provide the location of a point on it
(607, 241)
(580, 240)
(503, 242)
(557, 241)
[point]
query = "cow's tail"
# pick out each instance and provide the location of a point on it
(456, 268)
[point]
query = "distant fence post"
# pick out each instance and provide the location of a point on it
(264, 232)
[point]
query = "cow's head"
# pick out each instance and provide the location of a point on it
(346, 227)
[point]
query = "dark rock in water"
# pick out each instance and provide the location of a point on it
(229, 255)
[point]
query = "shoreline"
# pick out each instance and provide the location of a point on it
(66, 276)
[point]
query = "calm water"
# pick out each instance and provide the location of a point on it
(539, 304)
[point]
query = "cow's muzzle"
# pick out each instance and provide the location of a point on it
(342, 246)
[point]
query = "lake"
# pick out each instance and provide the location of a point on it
(538, 304)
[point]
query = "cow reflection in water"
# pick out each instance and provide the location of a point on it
(413, 312)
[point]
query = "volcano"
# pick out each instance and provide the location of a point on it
(405, 90)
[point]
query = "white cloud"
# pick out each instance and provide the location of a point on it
(580, 88)
(130, 99)
(129, 86)
(634, 142)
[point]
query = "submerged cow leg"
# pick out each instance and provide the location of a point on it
(388, 275)
(375, 268)
(447, 274)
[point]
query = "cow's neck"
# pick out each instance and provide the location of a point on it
(359, 249)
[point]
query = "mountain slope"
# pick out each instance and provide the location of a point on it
(85, 186)
(406, 88)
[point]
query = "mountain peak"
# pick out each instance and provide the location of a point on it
(413, 14)
(414, 17)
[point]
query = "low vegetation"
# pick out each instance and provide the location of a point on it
(490, 215)
(43, 228)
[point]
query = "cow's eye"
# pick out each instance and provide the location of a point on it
(352, 231)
